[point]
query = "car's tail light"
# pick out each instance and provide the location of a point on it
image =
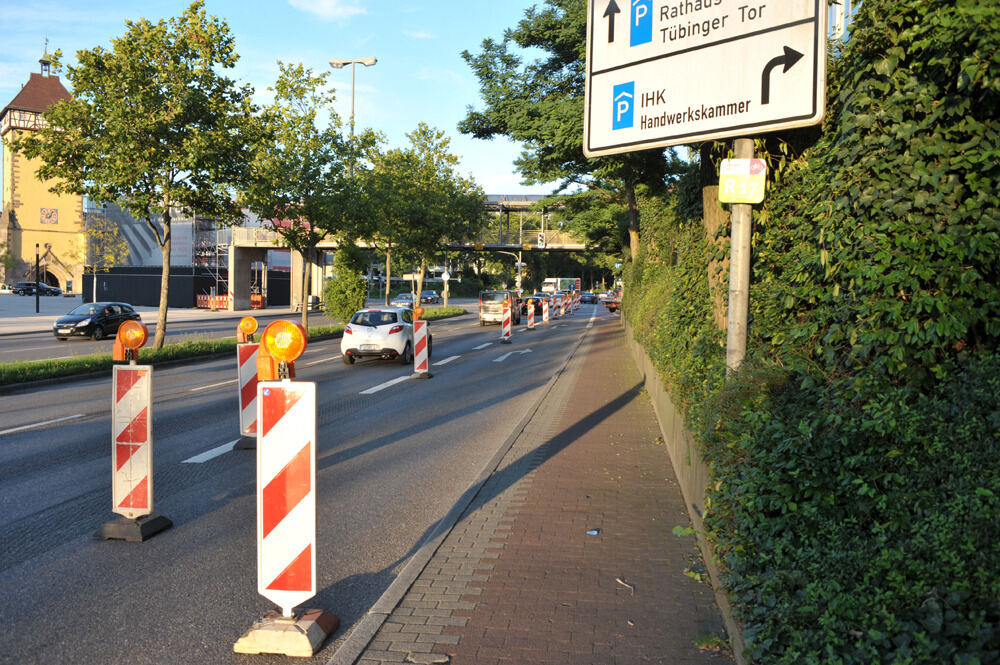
(348, 331)
(395, 329)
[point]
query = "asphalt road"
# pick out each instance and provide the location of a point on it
(390, 464)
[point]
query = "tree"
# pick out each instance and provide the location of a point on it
(300, 171)
(106, 248)
(416, 200)
(153, 127)
(540, 104)
(347, 291)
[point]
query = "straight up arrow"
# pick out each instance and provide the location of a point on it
(790, 57)
(609, 13)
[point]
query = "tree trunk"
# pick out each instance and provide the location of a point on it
(388, 274)
(161, 317)
(633, 221)
(306, 265)
(420, 281)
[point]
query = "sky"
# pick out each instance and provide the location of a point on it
(420, 75)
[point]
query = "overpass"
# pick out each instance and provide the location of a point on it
(518, 226)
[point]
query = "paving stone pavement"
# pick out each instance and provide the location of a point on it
(567, 554)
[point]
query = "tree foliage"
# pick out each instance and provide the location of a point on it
(153, 127)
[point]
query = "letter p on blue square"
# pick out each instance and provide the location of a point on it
(624, 103)
(641, 24)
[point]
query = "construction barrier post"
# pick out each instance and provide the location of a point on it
(505, 323)
(132, 457)
(421, 351)
(286, 507)
(545, 311)
(531, 316)
(246, 373)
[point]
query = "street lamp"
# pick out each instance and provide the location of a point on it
(519, 265)
(340, 64)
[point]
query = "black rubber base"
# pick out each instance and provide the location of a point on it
(246, 443)
(136, 531)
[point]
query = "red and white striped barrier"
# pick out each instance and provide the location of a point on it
(531, 316)
(562, 306)
(246, 358)
(132, 431)
(421, 350)
(545, 311)
(505, 324)
(286, 494)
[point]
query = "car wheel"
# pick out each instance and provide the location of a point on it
(406, 357)
(98, 333)
(348, 359)
(482, 323)
(430, 346)
(61, 339)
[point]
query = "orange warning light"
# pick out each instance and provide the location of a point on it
(133, 334)
(418, 312)
(248, 325)
(284, 340)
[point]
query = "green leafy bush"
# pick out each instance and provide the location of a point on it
(855, 503)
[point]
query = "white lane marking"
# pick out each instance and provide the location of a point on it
(383, 386)
(509, 354)
(482, 346)
(446, 361)
(47, 422)
(213, 385)
(209, 454)
(29, 348)
(323, 360)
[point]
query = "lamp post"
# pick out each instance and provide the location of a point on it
(36, 280)
(519, 264)
(340, 64)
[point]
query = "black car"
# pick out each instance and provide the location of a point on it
(29, 288)
(430, 297)
(97, 320)
(588, 297)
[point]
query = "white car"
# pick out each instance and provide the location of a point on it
(380, 332)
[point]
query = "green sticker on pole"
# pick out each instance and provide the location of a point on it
(742, 180)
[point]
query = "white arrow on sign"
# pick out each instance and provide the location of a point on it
(507, 355)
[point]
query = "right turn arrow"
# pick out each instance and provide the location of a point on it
(790, 57)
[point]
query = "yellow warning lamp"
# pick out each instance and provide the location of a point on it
(283, 342)
(246, 329)
(132, 335)
(417, 313)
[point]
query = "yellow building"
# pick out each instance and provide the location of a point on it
(32, 215)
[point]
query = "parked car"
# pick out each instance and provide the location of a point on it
(402, 300)
(95, 320)
(588, 298)
(29, 288)
(381, 332)
(430, 297)
(491, 307)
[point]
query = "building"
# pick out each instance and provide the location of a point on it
(34, 220)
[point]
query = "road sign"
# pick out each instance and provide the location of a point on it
(685, 71)
(132, 459)
(742, 180)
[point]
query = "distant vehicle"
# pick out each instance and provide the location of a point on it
(430, 297)
(588, 298)
(614, 301)
(555, 284)
(535, 301)
(29, 288)
(385, 332)
(402, 300)
(95, 320)
(491, 307)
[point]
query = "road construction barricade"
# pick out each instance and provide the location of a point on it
(505, 323)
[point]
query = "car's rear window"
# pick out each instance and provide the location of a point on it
(499, 297)
(373, 318)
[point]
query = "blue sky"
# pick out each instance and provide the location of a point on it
(420, 75)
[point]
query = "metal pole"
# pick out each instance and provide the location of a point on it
(739, 274)
(37, 281)
(351, 167)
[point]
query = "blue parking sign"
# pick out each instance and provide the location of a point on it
(641, 28)
(623, 102)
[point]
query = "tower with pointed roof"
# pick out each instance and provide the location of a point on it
(31, 213)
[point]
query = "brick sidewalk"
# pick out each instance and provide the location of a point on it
(567, 554)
